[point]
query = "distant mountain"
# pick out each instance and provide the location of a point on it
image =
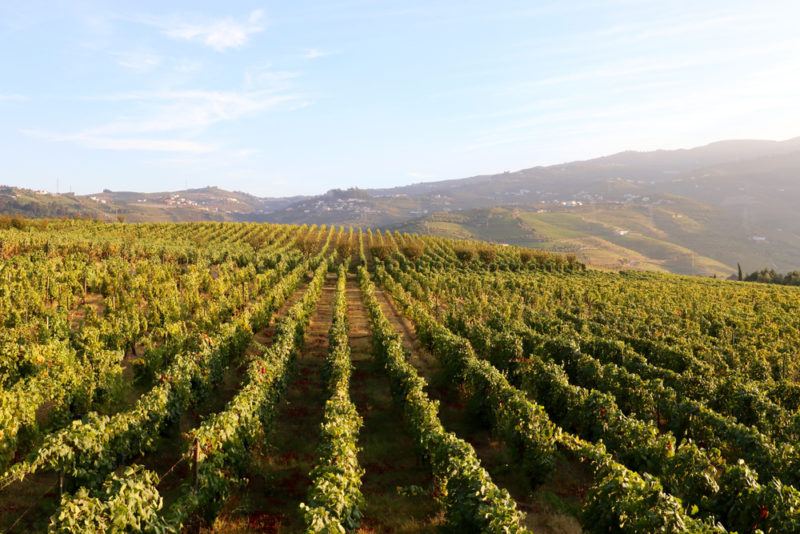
(206, 204)
(698, 210)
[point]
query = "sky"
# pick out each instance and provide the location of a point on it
(282, 98)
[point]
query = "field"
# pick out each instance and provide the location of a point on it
(243, 377)
(672, 238)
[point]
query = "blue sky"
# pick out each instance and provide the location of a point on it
(278, 98)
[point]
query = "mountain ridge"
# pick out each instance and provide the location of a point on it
(714, 205)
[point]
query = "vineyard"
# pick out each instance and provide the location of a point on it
(233, 377)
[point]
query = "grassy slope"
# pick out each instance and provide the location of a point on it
(607, 237)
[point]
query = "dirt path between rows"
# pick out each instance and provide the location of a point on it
(396, 483)
(35, 499)
(278, 479)
(552, 507)
(166, 460)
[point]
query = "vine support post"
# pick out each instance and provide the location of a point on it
(195, 462)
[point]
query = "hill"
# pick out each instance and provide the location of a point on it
(205, 204)
(694, 211)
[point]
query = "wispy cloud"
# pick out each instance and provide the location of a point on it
(264, 77)
(165, 111)
(172, 120)
(220, 34)
(317, 53)
(89, 140)
(635, 69)
(13, 98)
(687, 24)
(757, 94)
(138, 61)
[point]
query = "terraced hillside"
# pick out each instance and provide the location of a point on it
(236, 377)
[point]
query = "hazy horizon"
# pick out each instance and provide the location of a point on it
(278, 100)
(59, 187)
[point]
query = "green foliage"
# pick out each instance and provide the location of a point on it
(698, 475)
(679, 394)
(471, 500)
(128, 502)
(220, 445)
(335, 501)
(769, 276)
(523, 424)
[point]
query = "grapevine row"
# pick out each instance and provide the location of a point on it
(605, 510)
(335, 502)
(470, 498)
